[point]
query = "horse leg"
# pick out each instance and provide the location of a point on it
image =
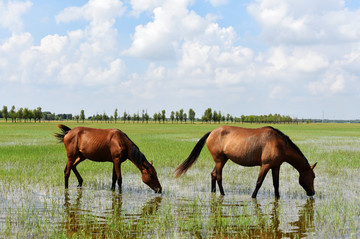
(67, 171)
(116, 174)
(219, 166)
(275, 175)
(113, 179)
(79, 178)
(263, 171)
(213, 181)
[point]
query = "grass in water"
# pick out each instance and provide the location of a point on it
(34, 203)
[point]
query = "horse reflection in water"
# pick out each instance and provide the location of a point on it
(267, 225)
(85, 222)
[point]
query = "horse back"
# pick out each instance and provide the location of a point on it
(95, 144)
(246, 147)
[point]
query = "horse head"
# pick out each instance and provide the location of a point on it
(149, 177)
(306, 180)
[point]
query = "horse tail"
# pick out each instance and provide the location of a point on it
(192, 157)
(64, 131)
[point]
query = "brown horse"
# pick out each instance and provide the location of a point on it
(266, 147)
(104, 145)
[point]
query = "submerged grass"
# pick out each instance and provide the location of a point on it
(33, 202)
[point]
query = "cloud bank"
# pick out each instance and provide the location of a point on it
(179, 56)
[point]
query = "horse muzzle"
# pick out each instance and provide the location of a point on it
(158, 190)
(310, 194)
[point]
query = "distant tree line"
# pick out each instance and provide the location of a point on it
(29, 115)
(209, 116)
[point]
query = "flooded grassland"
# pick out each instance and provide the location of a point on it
(34, 203)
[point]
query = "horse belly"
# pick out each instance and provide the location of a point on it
(245, 156)
(96, 153)
(246, 160)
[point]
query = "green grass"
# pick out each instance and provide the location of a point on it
(33, 202)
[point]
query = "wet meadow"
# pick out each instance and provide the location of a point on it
(34, 203)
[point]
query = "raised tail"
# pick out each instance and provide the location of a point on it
(192, 157)
(64, 131)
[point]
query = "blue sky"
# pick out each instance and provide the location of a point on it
(297, 58)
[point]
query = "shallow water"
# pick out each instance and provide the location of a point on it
(31, 208)
(184, 209)
(90, 211)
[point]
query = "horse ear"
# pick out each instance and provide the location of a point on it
(312, 167)
(151, 162)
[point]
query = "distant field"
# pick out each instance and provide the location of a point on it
(34, 203)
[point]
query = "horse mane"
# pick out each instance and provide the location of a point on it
(136, 155)
(289, 142)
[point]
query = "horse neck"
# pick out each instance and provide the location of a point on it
(297, 161)
(137, 158)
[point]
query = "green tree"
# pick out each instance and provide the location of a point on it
(82, 115)
(208, 115)
(34, 114)
(243, 118)
(20, 114)
(163, 117)
(39, 113)
(27, 114)
(138, 117)
(5, 113)
(177, 116)
(116, 115)
(172, 116)
(13, 114)
(181, 115)
(125, 117)
(215, 116)
(146, 117)
(155, 117)
(191, 115)
(227, 118)
(106, 118)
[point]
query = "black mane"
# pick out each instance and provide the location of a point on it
(136, 154)
(289, 142)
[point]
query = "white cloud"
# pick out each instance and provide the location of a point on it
(295, 60)
(16, 43)
(52, 44)
(161, 38)
(220, 64)
(278, 92)
(323, 21)
(109, 75)
(11, 13)
(206, 53)
(331, 83)
(86, 56)
(95, 11)
(218, 2)
(151, 84)
(309, 49)
(140, 6)
(11, 52)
